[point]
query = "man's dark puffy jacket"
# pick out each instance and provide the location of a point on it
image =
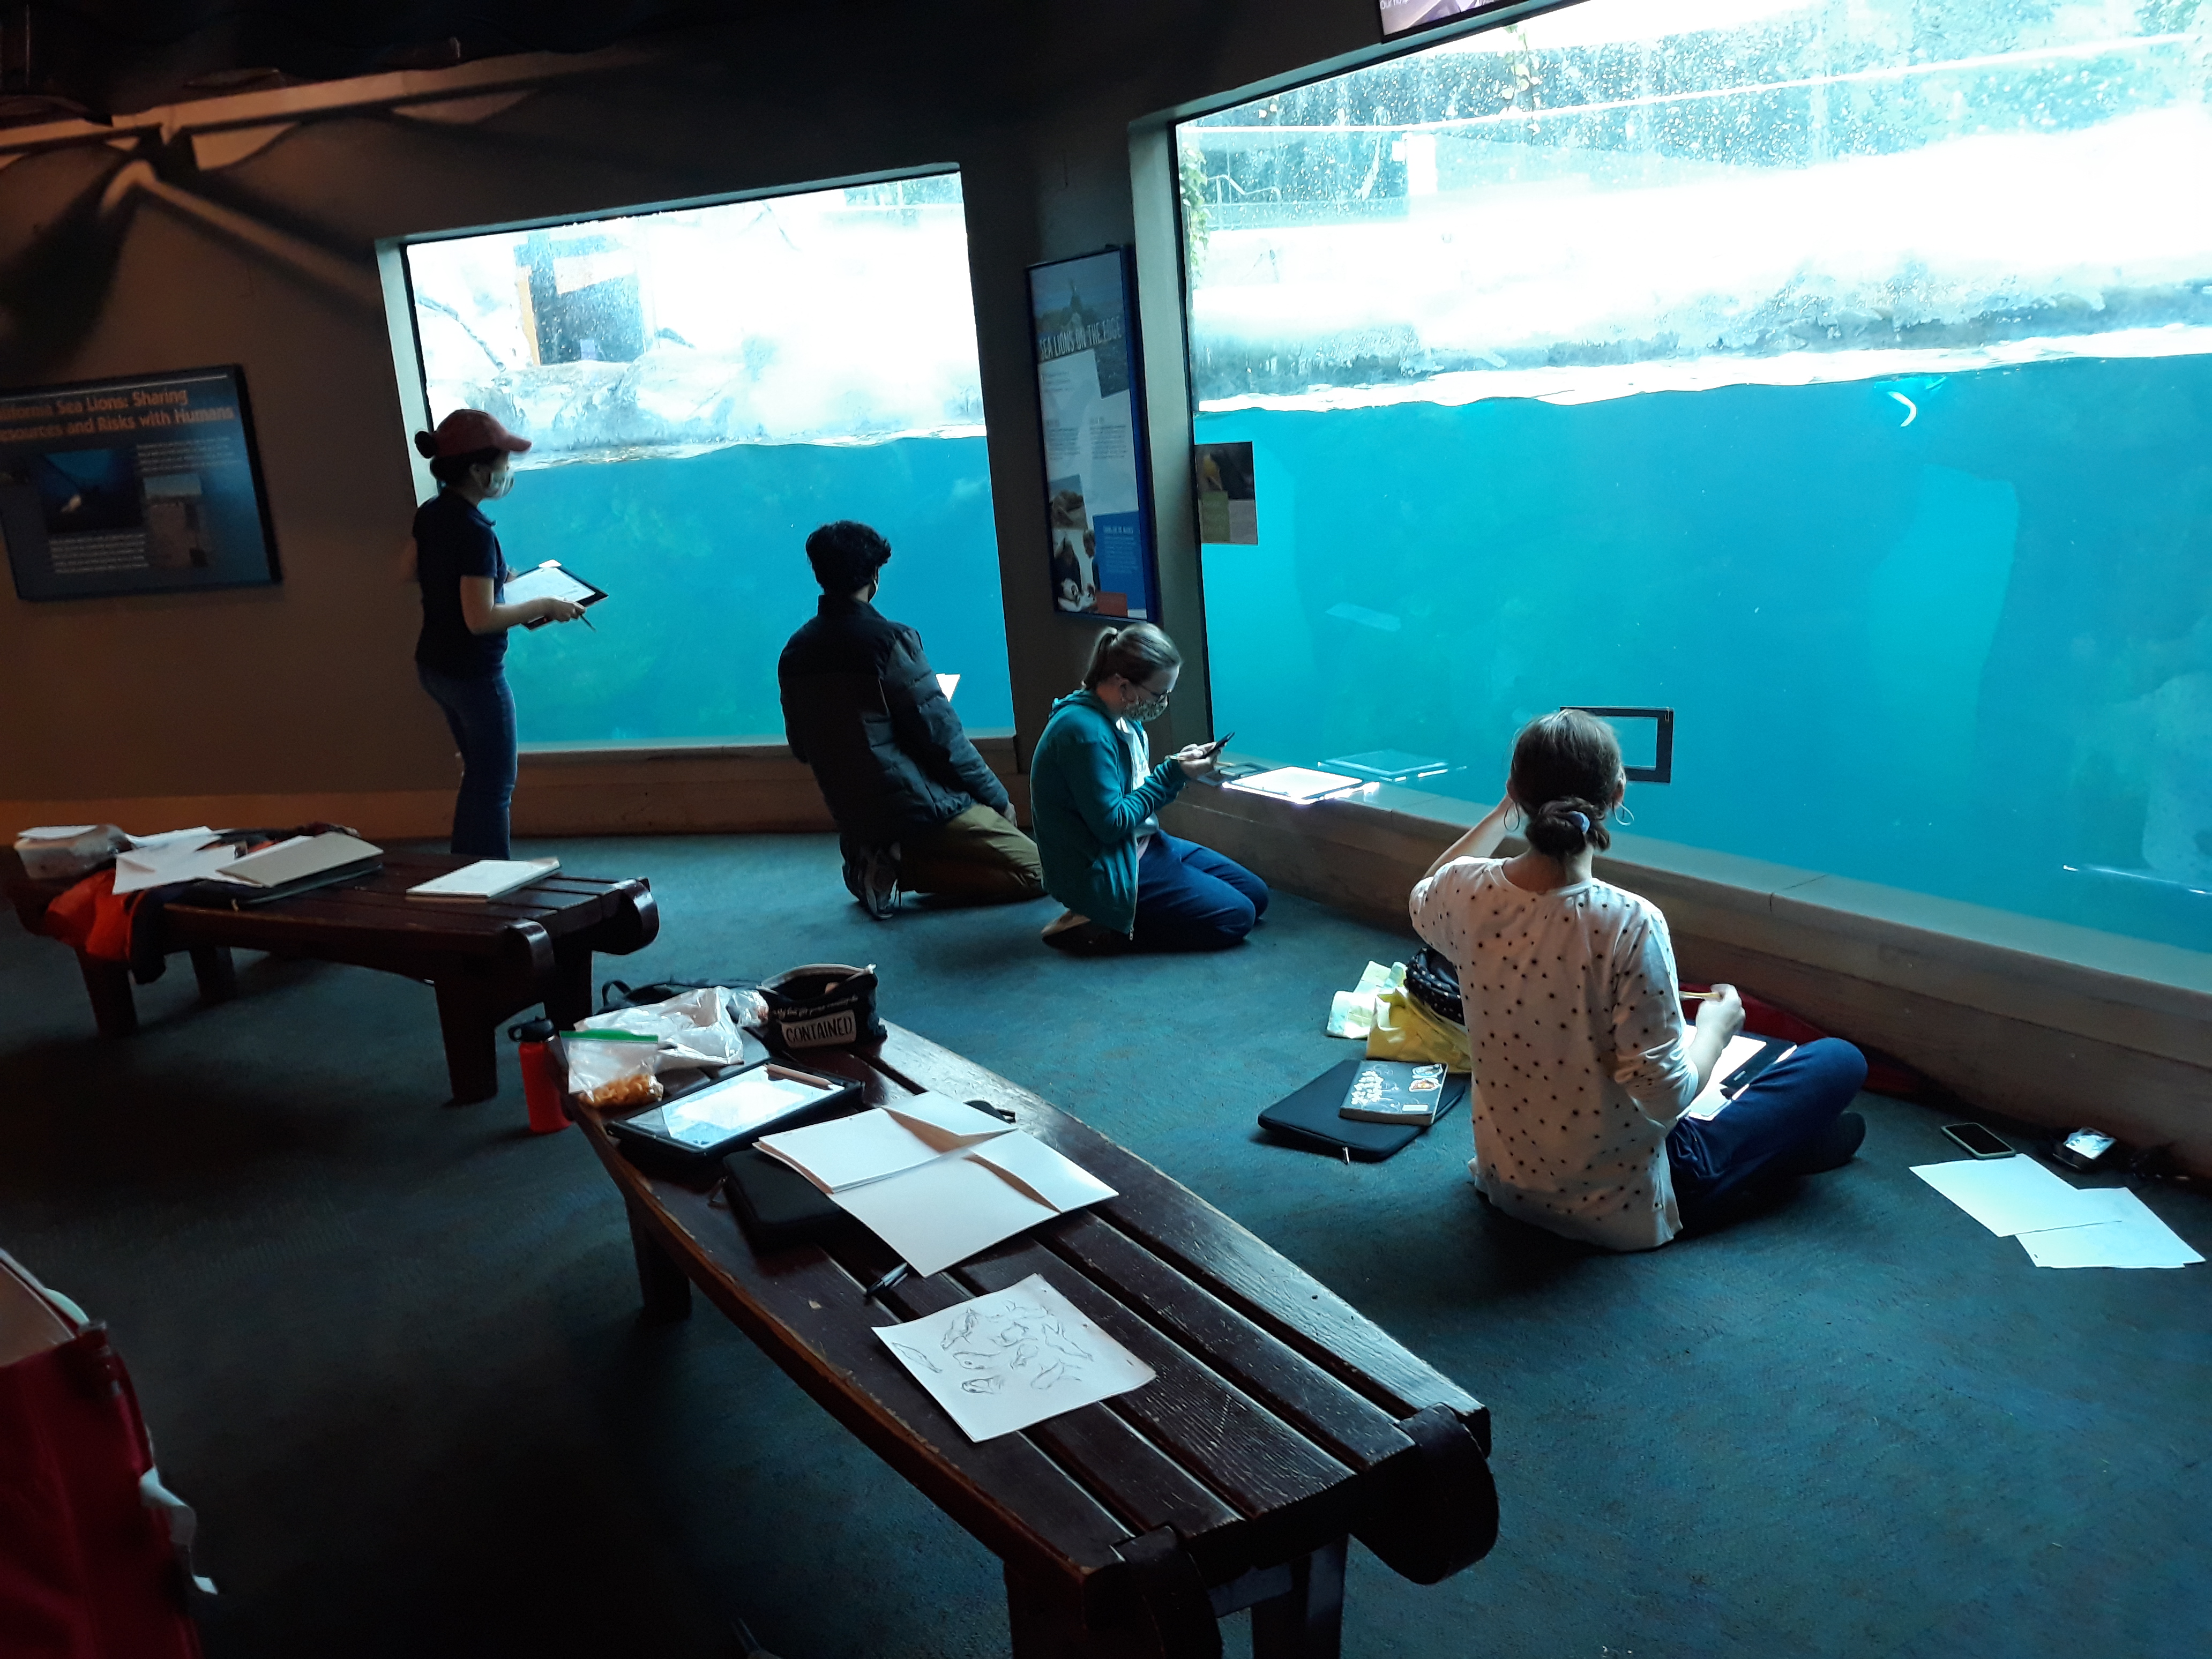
(862, 706)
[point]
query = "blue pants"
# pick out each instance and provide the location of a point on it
(1191, 898)
(481, 712)
(1780, 1112)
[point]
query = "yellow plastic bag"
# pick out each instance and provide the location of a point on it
(1405, 1030)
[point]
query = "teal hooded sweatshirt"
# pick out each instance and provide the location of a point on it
(1086, 814)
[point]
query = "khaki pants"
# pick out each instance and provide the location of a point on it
(977, 856)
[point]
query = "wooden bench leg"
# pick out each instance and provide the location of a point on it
(663, 1285)
(568, 998)
(471, 1042)
(1308, 1623)
(1044, 1627)
(108, 983)
(217, 972)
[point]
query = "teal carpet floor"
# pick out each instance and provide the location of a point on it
(390, 1349)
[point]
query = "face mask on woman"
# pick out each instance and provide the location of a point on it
(1150, 709)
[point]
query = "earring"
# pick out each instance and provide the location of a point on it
(1621, 815)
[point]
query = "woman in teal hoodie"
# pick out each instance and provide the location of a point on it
(1095, 796)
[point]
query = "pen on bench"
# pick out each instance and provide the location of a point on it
(999, 1112)
(885, 1282)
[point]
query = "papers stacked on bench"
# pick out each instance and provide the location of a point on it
(936, 1180)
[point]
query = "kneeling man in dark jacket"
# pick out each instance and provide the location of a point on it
(915, 805)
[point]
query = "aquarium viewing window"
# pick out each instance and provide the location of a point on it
(702, 387)
(1838, 375)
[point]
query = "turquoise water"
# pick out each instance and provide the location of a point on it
(704, 562)
(1956, 656)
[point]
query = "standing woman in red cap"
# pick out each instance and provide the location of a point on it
(461, 655)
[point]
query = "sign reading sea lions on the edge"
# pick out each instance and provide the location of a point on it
(1098, 507)
(146, 485)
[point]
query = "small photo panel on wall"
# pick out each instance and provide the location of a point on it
(1091, 400)
(150, 484)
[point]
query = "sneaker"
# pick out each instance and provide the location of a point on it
(879, 887)
(1834, 1147)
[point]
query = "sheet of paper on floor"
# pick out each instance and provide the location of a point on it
(1012, 1358)
(2010, 1195)
(2129, 1235)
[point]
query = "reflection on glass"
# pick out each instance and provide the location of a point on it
(1834, 373)
(703, 386)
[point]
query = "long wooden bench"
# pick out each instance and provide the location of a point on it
(486, 962)
(1281, 1423)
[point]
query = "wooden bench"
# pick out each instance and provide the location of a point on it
(486, 962)
(1281, 1422)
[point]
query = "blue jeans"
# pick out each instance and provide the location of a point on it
(1191, 898)
(481, 712)
(1781, 1111)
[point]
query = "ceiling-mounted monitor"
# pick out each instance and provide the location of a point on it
(1404, 16)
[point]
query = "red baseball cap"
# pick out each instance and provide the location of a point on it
(466, 431)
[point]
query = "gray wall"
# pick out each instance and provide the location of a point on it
(306, 690)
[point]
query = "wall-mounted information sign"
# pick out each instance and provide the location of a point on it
(1098, 502)
(146, 485)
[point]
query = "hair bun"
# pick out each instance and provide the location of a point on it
(426, 445)
(1566, 825)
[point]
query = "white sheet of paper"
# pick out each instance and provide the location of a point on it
(2129, 1235)
(1711, 1100)
(1013, 1357)
(547, 580)
(943, 1213)
(2011, 1195)
(1058, 1182)
(179, 861)
(871, 1145)
(948, 684)
(1297, 784)
(944, 1122)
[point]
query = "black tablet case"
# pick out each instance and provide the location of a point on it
(1308, 1118)
(774, 1204)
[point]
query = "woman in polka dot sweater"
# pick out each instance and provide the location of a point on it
(1583, 1065)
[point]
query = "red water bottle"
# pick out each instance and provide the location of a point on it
(541, 1081)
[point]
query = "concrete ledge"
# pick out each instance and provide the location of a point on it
(2035, 1020)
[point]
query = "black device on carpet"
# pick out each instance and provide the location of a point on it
(1979, 1142)
(2088, 1149)
(1308, 1118)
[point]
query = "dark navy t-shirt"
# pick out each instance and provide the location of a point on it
(454, 540)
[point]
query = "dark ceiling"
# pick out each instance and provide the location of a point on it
(97, 58)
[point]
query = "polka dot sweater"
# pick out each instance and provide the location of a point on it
(1581, 1061)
